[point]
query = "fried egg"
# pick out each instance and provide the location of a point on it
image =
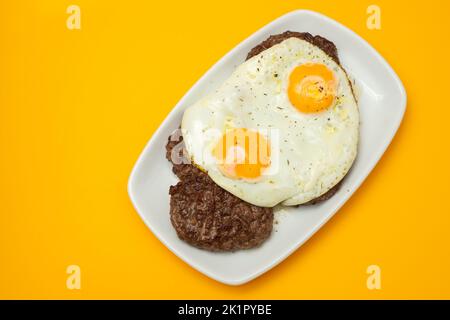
(283, 128)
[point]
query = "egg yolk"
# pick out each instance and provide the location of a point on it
(242, 153)
(312, 87)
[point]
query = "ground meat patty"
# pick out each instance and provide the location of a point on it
(327, 46)
(209, 217)
(327, 195)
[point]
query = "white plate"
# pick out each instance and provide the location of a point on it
(382, 103)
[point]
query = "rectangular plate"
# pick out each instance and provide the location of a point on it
(382, 103)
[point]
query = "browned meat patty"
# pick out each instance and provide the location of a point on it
(209, 217)
(327, 46)
(327, 195)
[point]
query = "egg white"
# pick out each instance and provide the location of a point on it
(311, 153)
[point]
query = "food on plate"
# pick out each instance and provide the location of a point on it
(282, 129)
(292, 99)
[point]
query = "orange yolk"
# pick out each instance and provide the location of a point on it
(242, 153)
(312, 87)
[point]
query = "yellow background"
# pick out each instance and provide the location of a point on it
(77, 107)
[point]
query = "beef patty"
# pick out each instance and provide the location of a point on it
(327, 46)
(209, 217)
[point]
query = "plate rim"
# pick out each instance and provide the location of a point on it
(358, 180)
